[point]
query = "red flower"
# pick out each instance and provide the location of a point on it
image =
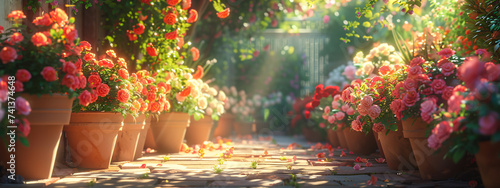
(410, 84)
(43, 20)
(397, 108)
(94, 81)
(131, 35)
(470, 72)
(331, 90)
(146, 1)
(89, 57)
(70, 33)
(196, 53)
(446, 53)
(438, 86)
(315, 103)
(320, 155)
(199, 72)
(139, 29)
(417, 61)
(151, 50)
(385, 70)
(224, 13)
(8, 54)
(19, 86)
(85, 98)
(173, 2)
(414, 72)
(193, 16)
(49, 74)
(170, 19)
(123, 73)
(23, 75)
(180, 42)
(85, 45)
(82, 80)
(102, 90)
(411, 97)
(307, 114)
(106, 63)
(71, 81)
(39, 39)
(492, 71)
(154, 107)
(186, 4)
(123, 95)
(447, 92)
(59, 15)
(24, 126)
(122, 62)
(69, 67)
(172, 35)
(447, 68)
(186, 92)
(16, 14)
(16, 37)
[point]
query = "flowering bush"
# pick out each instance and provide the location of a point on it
(110, 88)
(473, 111)
(324, 98)
(212, 101)
(44, 62)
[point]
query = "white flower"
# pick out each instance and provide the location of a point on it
(202, 102)
(222, 96)
(220, 109)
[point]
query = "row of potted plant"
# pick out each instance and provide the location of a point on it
(51, 81)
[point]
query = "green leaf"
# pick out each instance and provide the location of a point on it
(24, 141)
(266, 114)
(197, 116)
(459, 154)
(72, 20)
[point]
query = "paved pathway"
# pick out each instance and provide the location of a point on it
(277, 168)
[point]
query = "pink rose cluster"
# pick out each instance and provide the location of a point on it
(341, 109)
(440, 133)
(366, 107)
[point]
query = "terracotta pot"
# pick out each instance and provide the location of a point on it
(92, 137)
(225, 125)
(128, 138)
(333, 138)
(489, 163)
(431, 164)
(359, 142)
(379, 146)
(150, 138)
(397, 149)
(341, 137)
(312, 135)
(47, 117)
(142, 138)
(242, 128)
(199, 131)
(169, 130)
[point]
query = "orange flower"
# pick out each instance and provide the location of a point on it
(131, 35)
(8, 54)
(151, 50)
(186, 92)
(39, 39)
(59, 15)
(123, 95)
(193, 16)
(170, 19)
(224, 13)
(196, 53)
(111, 53)
(70, 33)
(173, 2)
(172, 35)
(139, 29)
(123, 73)
(199, 73)
(42, 20)
(186, 4)
(85, 45)
(16, 14)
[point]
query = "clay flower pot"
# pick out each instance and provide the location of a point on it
(169, 130)
(199, 131)
(47, 117)
(341, 137)
(243, 128)
(312, 135)
(489, 163)
(379, 145)
(431, 164)
(359, 142)
(128, 138)
(333, 138)
(397, 149)
(92, 137)
(225, 125)
(142, 138)
(150, 138)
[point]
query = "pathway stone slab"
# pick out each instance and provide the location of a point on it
(73, 182)
(247, 183)
(168, 183)
(132, 183)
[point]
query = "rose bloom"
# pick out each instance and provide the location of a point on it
(378, 127)
(331, 119)
(344, 108)
(410, 84)
(397, 108)
(374, 111)
(59, 16)
(151, 51)
(414, 71)
(438, 86)
(106, 63)
(454, 103)
(362, 110)
(322, 125)
(426, 91)
(202, 102)
(196, 53)
(367, 101)
(368, 68)
(492, 71)
(335, 105)
(139, 29)
(23, 106)
(8, 54)
(385, 70)
(442, 131)
(446, 53)
(16, 37)
(489, 124)
(102, 90)
(170, 19)
(447, 92)
(154, 107)
(89, 57)
(85, 98)
(123, 95)
(410, 98)
(19, 86)
(193, 16)
(23, 75)
(68, 67)
(327, 110)
(417, 61)
(470, 71)
(433, 142)
(448, 68)
(16, 14)
(39, 39)
(339, 115)
(350, 111)
(346, 95)
(123, 73)
(350, 72)
(356, 125)
(49, 74)
(94, 80)
(171, 35)
(70, 33)
(224, 14)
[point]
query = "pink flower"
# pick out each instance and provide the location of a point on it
(492, 71)
(368, 164)
(322, 125)
(397, 88)
(433, 142)
(447, 92)
(362, 110)
(85, 98)
(340, 115)
(23, 106)
(488, 125)
(358, 167)
(24, 126)
(331, 119)
(417, 61)
(448, 68)
(414, 71)
(327, 110)
(326, 19)
(356, 125)
(23, 75)
(442, 131)
(410, 84)
(367, 102)
(438, 85)
(349, 72)
(350, 111)
(427, 108)
(325, 116)
(337, 97)
(470, 71)
(378, 127)
(346, 95)
(397, 108)
(8, 54)
(374, 111)
(454, 103)
(446, 53)
(410, 98)
(345, 107)
(335, 105)
(69, 67)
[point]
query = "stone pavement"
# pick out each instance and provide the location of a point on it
(277, 168)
